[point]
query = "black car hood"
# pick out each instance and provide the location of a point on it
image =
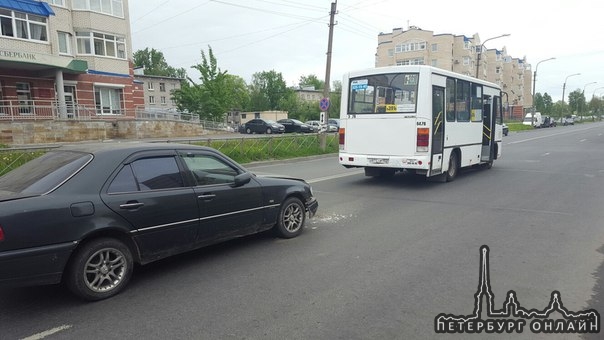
(280, 177)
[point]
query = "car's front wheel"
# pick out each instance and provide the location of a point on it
(100, 269)
(291, 218)
(269, 131)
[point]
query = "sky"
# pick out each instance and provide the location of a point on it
(291, 36)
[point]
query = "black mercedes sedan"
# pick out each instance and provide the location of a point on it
(85, 214)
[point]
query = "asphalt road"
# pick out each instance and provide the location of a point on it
(380, 260)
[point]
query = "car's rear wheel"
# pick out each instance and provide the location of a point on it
(291, 218)
(100, 269)
(248, 131)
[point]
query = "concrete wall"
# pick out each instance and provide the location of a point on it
(40, 132)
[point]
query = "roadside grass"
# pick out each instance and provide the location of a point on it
(518, 126)
(241, 150)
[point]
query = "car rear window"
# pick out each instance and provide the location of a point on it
(43, 174)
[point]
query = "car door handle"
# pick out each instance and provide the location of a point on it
(206, 197)
(131, 205)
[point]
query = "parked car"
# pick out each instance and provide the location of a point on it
(85, 214)
(506, 130)
(334, 122)
(317, 124)
(568, 120)
(548, 122)
(294, 125)
(260, 125)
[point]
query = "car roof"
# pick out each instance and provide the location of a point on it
(127, 147)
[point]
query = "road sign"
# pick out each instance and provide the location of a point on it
(324, 104)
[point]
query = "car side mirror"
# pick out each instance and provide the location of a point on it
(242, 179)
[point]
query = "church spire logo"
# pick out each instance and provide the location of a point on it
(513, 317)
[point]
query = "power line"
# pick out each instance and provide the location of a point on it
(262, 10)
(151, 11)
(174, 16)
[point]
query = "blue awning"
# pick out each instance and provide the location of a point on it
(28, 6)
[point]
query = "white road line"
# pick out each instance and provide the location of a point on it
(326, 178)
(47, 333)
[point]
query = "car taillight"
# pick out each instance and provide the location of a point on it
(1, 234)
(423, 139)
(341, 135)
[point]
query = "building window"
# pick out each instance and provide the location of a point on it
(162, 87)
(414, 61)
(434, 47)
(467, 45)
(58, 2)
(409, 47)
(64, 43)
(24, 98)
(110, 7)
(163, 100)
(108, 100)
(150, 86)
(391, 52)
(152, 100)
(100, 44)
(435, 62)
(466, 61)
(23, 25)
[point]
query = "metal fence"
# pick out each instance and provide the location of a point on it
(242, 149)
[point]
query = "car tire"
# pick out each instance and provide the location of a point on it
(453, 167)
(291, 218)
(248, 131)
(269, 131)
(100, 269)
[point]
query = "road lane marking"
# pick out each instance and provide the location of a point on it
(47, 333)
(327, 178)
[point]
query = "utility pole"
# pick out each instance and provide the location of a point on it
(326, 91)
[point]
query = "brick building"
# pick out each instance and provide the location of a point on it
(63, 59)
(459, 53)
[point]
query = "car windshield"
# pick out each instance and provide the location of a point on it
(43, 174)
(270, 121)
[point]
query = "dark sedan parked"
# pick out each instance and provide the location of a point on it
(294, 125)
(84, 214)
(260, 125)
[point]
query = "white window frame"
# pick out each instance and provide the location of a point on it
(150, 86)
(162, 87)
(152, 100)
(98, 44)
(60, 3)
(109, 7)
(434, 47)
(162, 100)
(66, 39)
(22, 25)
(108, 99)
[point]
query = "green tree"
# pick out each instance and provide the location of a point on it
(215, 95)
(268, 91)
(311, 80)
(576, 101)
(155, 64)
(335, 98)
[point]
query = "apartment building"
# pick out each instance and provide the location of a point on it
(458, 53)
(157, 91)
(66, 59)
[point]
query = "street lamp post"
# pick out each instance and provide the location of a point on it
(583, 95)
(594, 93)
(564, 86)
(534, 83)
(481, 47)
